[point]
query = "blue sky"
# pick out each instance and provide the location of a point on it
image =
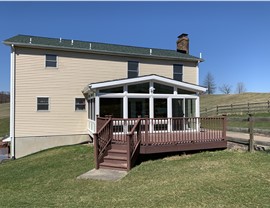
(234, 37)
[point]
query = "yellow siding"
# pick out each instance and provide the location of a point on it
(190, 74)
(64, 84)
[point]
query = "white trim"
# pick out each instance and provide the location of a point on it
(12, 101)
(148, 78)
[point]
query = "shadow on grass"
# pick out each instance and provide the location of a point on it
(157, 156)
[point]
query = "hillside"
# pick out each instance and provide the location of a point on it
(4, 110)
(211, 101)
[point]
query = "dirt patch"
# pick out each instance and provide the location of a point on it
(237, 146)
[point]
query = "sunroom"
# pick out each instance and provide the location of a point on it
(151, 96)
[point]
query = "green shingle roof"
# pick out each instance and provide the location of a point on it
(94, 47)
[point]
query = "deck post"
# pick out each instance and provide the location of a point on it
(251, 133)
(128, 152)
(96, 151)
(146, 135)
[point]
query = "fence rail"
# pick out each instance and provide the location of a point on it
(256, 107)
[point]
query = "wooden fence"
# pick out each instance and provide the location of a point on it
(251, 121)
(256, 107)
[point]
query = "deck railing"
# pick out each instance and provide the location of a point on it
(133, 144)
(102, 139)
(172, 130)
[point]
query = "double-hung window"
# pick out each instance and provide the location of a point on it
(51, 60)
(133, 69)
(178, 72)
(42, 104)
(79, 104)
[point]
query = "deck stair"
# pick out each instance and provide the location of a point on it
(116, 158)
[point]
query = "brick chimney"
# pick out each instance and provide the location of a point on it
(183, 43)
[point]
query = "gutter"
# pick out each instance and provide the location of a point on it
(12, 102)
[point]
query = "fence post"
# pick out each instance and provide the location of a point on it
(224, 126)
(251, 133)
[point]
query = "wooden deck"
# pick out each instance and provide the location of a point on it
(160, 142)
(148, 136)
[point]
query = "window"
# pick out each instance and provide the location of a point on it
(51, 60)
(79, 104)
(42, 103)
(139, 88)
(91, 109)
(112, 90)
(111, 106)
(133, 69)
(162, 89)
(178, 72)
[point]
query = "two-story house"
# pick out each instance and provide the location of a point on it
(59, 87)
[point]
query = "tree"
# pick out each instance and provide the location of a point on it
(240, 88)
(225, 89)
(209, 82)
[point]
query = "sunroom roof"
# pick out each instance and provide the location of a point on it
(141, 79)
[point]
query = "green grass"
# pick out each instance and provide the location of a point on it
(211, 101)
(208, 179)
(4, 110)
(257, 124)
(4, 126)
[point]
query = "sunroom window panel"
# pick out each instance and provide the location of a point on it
(160, 108)
(112, 90)
(111, 106)
(162, 89)
(138, 107)
(139, 88)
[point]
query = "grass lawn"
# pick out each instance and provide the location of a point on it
(257, 124)
(208, 179)
(4, 126)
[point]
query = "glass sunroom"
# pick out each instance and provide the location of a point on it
(149, 96)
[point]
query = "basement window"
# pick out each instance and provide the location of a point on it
(79, 104)
(42, 104)
(51, 60)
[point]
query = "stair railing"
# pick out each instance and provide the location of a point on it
(133, 144)
(102, 140)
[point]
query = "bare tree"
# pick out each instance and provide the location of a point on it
(209, 82)
(240, 88)
(225, 89)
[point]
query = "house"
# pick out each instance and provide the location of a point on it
(59, 87)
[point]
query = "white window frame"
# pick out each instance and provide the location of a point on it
(49, 104)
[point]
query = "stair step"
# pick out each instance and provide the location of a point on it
(119, 146)
(109, 165)
(118, 151)
(113, 157)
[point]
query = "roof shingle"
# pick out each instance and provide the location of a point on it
(65, 44)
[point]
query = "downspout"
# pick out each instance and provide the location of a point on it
(12, 102)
